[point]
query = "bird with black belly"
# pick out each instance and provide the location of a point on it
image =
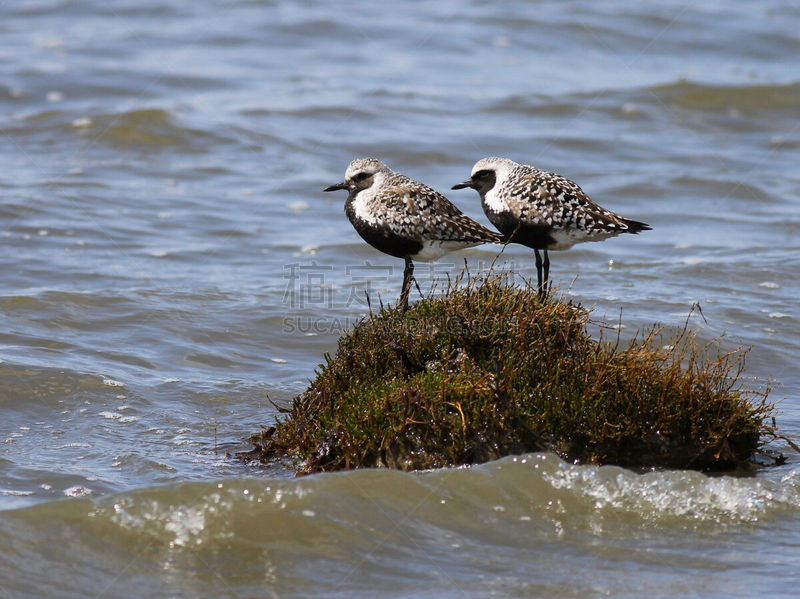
(542, 210)
(404, 218)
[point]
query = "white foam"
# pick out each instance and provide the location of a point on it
(299, 206)
(77, 491)
(186, 524)
(684, 494)
(15, 493)
(629, 108)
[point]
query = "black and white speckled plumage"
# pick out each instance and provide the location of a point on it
(404, 218)
(540, 209)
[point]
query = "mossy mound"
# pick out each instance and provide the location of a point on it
(490, 369)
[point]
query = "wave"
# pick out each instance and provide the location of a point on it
(683, 93)
(311, 112)
(745, 98)
(518, 523)
(145, 128)
(487, 500)
(151, 128)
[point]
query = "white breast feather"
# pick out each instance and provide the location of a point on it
(363, 202)
(493, 200)
(566, 238)
(435, 249)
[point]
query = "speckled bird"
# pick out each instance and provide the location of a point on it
(542, 210)
(404, 218)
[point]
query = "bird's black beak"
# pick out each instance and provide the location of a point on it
(463, 184)
(337, 187)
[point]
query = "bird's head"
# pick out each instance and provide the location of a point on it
(486, 173)
(361, 174)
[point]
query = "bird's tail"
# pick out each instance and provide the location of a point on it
(634, 226)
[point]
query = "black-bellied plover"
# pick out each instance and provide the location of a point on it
(542, 210)
(404, 218)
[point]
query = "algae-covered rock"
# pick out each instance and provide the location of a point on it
(490, 369)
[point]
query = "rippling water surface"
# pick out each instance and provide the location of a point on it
(169, 265)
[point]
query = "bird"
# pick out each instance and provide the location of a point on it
(405, 218)
(542, 210)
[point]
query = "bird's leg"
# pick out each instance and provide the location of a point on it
(408, 275)
(546, 277)
(539, 287)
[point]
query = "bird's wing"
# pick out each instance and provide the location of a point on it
(430, 215)
(557, 201)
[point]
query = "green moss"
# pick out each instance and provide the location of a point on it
(490, 369)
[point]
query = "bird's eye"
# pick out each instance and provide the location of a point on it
(361, 176)
(482, 174)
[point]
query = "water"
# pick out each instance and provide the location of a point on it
(170, 267)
